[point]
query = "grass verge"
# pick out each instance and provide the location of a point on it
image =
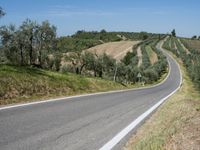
(25, 84)
(22, 84)
(175, 125)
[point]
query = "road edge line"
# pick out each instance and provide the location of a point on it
(83, 95)
(118, 137)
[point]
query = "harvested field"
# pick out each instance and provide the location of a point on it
(186, 50)
(115, 49)
(191, 44)
(139, 55)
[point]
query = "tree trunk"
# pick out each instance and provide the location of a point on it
(40, 58)
(77, 70)
(81, 69)
(100, 74)
(40, 50)
(95, 73)
(21, 55)
(31, 51)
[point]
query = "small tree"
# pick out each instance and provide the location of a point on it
(173, 33)
(45, 36)
(29, 28)
(194, 37)
(103, 31)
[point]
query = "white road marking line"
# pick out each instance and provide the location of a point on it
(117, 138)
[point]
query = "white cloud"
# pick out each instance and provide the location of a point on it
(68, 10)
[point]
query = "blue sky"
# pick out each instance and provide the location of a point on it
(113, 15)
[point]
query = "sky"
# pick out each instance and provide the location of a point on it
(157, 16)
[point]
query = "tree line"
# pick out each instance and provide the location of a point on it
(29, 43)
(36, 44)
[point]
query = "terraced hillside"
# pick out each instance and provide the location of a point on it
(191, 44)
(190, 57)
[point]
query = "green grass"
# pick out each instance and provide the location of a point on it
(20, 84)
(24, 84)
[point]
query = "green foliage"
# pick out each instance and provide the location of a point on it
(27, 44)
(141, 35)
(69, 44)
(191, 60)
(20, 83)
(194, 37)
(102, 35)
(173, 33)
(150, 73)
(145, 58)
(130, 58)
(34, 44)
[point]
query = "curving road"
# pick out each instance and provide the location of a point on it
(86, 122)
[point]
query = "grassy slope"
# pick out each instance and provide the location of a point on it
(189, 43)
(152, 55)
(23, 84)
(20, 84)
(170, 126)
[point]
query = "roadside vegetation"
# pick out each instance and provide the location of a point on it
(170, 126)
(21, 84)
(149, 72)
(35, 49)
(190, 60)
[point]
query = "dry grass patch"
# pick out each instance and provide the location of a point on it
(193, 44)
(116, 50)
(139, 55)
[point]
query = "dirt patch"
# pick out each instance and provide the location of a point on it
(115, 49)
(139, 55)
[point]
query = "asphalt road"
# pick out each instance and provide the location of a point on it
(79, 123)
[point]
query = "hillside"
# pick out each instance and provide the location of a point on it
(115, 49)
(176, 122)
(20, 84)
(191, 60)
(191, 44)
